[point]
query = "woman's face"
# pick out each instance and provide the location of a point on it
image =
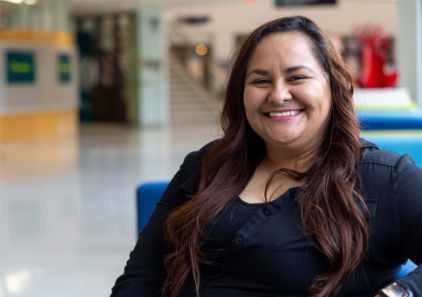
(287, 95)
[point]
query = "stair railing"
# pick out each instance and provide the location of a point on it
(215, 82)
(179, 67)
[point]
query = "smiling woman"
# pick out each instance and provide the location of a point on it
(290, 202)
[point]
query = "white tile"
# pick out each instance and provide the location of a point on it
(67, 207)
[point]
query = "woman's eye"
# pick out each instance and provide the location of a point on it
(260, 81)
(297, 77)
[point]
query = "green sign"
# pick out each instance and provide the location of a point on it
(303, 2)
(64, 68)
(20, 67)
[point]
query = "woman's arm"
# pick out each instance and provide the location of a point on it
(408, 191)
(144, 273)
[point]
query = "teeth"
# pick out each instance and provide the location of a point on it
(283, 114)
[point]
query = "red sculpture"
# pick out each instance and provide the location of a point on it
(375, 44)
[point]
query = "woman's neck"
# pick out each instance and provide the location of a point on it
(293, 159)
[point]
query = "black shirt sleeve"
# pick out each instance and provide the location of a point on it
(144, 273)
(408, 192)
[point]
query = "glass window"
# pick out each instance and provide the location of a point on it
(10, 14)
(45, 15)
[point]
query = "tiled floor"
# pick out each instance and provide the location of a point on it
(67, 211)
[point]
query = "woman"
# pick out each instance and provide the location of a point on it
(290, 202)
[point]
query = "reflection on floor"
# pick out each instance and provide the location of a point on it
(67, 207)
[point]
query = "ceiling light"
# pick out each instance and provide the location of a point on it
(14, 1)
(201, 49)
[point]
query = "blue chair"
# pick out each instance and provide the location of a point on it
(148, 194)
(390, 120)
(406, 269)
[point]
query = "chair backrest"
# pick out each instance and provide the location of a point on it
(390, 120)
(406, 269)
(148, 194)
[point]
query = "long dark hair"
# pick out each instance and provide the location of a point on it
(328, 202)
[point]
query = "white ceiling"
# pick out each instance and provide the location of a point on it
(82, 7)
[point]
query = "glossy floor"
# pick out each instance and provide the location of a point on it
(67, 208)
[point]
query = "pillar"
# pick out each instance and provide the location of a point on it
(152, 83)
(409, 47)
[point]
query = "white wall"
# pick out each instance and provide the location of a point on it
(230, 19)
(46, 93)
(410, 46)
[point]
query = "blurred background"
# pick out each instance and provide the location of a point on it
(98, 96)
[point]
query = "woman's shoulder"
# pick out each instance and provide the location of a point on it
(194, 159)
(372, 154)
(191, 167)
(378, 165)
(206, 148)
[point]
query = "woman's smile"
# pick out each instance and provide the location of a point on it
(282, 115)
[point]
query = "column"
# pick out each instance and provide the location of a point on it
(152, 83)
(409, 47)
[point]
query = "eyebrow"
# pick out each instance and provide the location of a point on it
(294, 68)
(288, 70)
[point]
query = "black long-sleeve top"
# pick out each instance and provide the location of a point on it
(265, 252)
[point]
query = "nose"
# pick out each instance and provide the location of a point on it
(280, 92)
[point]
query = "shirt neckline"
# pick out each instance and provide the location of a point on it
(275, 201)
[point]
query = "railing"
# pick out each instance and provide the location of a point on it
(179, 67)
(215, 76)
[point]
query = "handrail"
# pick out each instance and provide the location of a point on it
(177, 65)
(216, 73)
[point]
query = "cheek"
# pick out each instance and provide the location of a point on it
(251, 109)
(251, 100)
(321, 102)
(327, 108)
(326, 91)
(328, 101)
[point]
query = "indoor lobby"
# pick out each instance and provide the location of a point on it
(100, 96)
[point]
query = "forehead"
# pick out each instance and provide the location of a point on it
(287, 48)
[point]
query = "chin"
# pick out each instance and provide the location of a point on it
(284, 141)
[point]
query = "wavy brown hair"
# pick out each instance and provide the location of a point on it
(328, 202)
